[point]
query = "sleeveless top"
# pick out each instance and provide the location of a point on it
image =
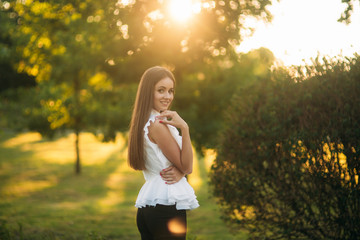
(155, 190)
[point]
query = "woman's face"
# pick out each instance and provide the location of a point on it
(164, 94)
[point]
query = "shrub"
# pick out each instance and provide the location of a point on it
(288, 161)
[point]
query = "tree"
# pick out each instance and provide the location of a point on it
(346, 15)
(62, 50)
(67, 45)
(205, 95)
(10, 78)
(288, 160)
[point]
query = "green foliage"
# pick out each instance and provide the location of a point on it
(109, 111)
(204, 96)
(86, 57)
(9, 77)
(288, 161)
(4, 231)
(73, 41)
(22, 110)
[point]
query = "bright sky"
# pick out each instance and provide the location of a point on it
(303, 28)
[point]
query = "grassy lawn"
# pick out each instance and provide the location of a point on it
(42, 198)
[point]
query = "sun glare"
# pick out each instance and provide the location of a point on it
(300, 30)
(182, 10)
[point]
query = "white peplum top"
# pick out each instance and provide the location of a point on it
(155, 190)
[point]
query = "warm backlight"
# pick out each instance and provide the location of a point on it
(182, 10)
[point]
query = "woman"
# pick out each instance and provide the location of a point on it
(165, 157)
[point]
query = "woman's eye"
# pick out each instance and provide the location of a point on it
(161, 90)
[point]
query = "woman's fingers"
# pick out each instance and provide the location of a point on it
(171, 175)
(169, 114)
(168, 179)
(172, 118)
(165, 171)
(167, 175)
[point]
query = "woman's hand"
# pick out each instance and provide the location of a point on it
(171, 175)
(172, 118)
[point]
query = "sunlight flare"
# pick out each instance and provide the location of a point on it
(209, 158)
(182, 10)
(295, 37)
(176, 226)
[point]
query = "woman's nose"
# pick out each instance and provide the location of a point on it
(167, 95)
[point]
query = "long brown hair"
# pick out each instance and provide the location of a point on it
(141, 113)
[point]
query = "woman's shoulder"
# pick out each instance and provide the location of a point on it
(156, 128)
(150, 120)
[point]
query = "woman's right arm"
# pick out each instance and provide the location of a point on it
(171, 175)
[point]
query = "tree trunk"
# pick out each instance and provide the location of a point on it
(77, 125)
(77, 164)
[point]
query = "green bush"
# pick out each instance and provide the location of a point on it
(288, 161)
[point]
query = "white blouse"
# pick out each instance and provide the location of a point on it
(155, 190)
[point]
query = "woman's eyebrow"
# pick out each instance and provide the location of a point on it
(164, 87)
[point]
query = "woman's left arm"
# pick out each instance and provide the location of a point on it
(182, 159)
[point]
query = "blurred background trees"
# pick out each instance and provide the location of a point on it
(87, 57)
(287, 160)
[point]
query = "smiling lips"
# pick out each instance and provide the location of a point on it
(165, 103)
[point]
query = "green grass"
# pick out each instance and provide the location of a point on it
(42, 198)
